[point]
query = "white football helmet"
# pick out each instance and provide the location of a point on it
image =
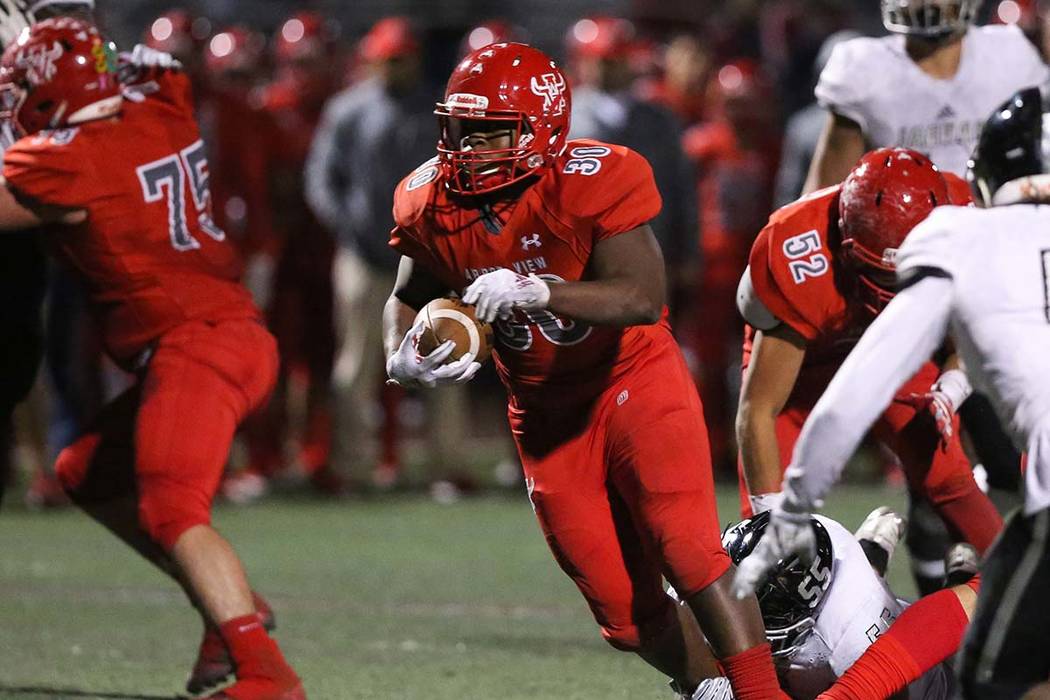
(928, 18)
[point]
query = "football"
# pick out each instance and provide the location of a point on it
(450, 319)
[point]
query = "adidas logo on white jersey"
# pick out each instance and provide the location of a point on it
(946, 113)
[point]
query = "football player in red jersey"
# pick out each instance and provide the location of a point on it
(819, 272)
(550, 240)
(124, 180)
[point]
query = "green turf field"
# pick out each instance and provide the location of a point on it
(390, 598)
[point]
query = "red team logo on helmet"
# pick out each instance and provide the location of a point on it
(885, 196)
(510, 90)
(58, 73)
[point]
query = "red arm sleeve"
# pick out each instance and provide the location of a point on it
(45, 169)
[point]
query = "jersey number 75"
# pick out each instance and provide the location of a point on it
(169, 177)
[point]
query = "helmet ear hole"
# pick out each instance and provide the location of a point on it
(878, 198)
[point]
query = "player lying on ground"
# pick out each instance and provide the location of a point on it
(820, 272)
(120, 179)
(982, 277)
(551, 241)
(838, 631)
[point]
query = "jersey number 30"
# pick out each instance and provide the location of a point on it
(517, 335)
(168, 177)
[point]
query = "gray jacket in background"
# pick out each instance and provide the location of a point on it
(368, 140)
(654, 132)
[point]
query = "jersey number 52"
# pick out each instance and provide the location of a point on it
(804, 260)
(168, 177)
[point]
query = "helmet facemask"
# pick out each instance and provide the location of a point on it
(876, 275)
(929, 19)
(485, 151)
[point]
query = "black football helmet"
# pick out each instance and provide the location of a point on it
(1012, 159)
(792, 593)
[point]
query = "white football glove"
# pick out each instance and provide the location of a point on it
(143, 56)
(500, 292)
(789, 534)
(762, 502)
(713, 689)
(408, 369)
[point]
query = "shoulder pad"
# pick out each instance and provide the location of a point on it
(792, 265)
(751, 307)
(933, 244)
(415, 191)
(842, 86)
(610, 185)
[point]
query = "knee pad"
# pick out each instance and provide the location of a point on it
(167, 509)
(635, 635)
(622, 638)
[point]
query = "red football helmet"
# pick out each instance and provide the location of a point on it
(58, 73)
(887, 193)
(494, 31)
(178, 33)
(235, 50)
(601, 37)
(303, 36)
(389, 38)
(513, 85)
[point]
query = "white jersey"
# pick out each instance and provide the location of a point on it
(857, 608)
(876, 84)
(998, 260)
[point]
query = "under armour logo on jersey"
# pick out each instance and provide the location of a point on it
(551, 87)
(946, 112)
(527, 242)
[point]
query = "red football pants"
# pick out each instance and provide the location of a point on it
(167, 438)
(623, 491)
(940, 474)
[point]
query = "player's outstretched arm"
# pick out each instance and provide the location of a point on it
(771, 376)
(897, 343)
(840, 146)
(892, 349)
(629, 284)
(927, 633)
(18, 213)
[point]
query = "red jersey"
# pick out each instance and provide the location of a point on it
(150, 254)
(593, 191)
(794, 265)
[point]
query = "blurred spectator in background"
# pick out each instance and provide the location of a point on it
(735, 153)
(606, 107)
(371, 135)
(493, 31)
(1024, 14)
(232, 126)
(299, 310)
(802, 132)
(179, 33)
(686, 67)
